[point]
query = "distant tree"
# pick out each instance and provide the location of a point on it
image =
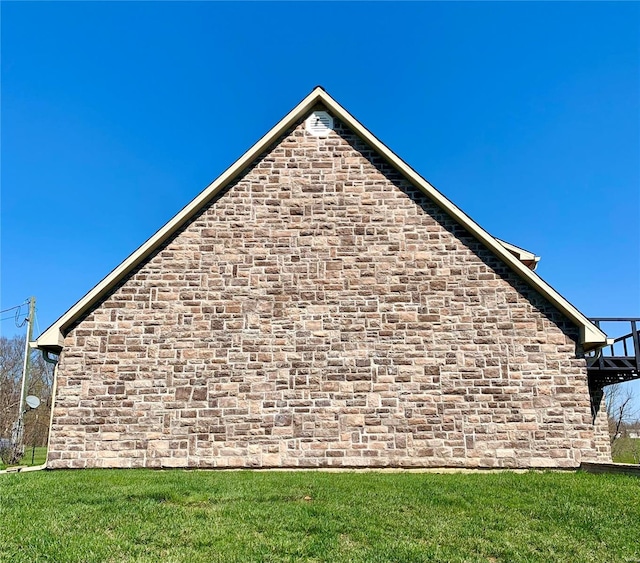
(621, 409)
(39, 383)
(11, 360)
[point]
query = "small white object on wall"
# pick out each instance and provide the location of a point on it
(319, 124)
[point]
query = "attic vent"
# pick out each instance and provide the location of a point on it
(319, 124)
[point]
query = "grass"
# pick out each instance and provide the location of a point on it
(31, 457)
(171, 516)
(626, 450)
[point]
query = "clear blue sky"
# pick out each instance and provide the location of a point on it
(115, 115)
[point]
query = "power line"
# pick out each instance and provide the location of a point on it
(23, 320)
(16, 307)
(15, 318)
(18, 310)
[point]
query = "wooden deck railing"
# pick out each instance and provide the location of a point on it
(619, 361)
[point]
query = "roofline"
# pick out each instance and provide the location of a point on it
(529, 259)
(53, 337)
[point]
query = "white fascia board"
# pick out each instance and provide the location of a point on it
(522, 254)
(53, 337)
(50, 339)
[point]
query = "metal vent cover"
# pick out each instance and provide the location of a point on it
(319, 124)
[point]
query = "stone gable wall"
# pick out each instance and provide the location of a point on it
(321, 313)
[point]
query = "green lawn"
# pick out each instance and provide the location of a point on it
(191, 516)
(626, 450)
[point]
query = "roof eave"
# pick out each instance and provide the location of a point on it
(529, 259)
(51, 339)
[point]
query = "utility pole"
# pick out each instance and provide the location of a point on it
(18, 429)
(27, 352)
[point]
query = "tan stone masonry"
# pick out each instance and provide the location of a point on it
(322, 312)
